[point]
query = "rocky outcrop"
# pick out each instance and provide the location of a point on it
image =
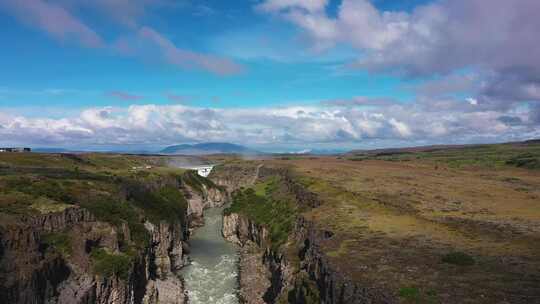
(28, 273)
(167, 252)
(32, 270)
(31, 273)
(331, 286)
(206, 197)
(254, 239)
(240, 230)
(299, 272)
(253, 276)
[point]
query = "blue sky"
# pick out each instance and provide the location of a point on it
(354, 73)
(278, 68)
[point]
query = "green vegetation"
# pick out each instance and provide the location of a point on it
(197, 182)
(490, 156)
(411, 294)
(415, 295)
(277, 215)
(166, 203)
(104, 184)
(16, 203)
(526, 160)
(49, 188)
(458, 258)
(45, 205)
(117, 212)
(60, 241)
(263, 187)
(108, 264)
(306, 291)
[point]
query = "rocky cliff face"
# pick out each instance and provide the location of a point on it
(35, 270)
(240, 230)
(166, 257)
(199, 200)
(318, 275)
(274, 277)
(31, 273)
(297, 272)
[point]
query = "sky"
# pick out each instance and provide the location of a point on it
(277, 75)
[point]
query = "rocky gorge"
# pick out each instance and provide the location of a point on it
(298, 271)
(83, 229)
(71, 256)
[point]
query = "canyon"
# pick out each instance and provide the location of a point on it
(67, 253)
(88, 229)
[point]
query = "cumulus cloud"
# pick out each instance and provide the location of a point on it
(401, 128)
(497, 40)
(437, 37)
(296, 125)
(308, 5)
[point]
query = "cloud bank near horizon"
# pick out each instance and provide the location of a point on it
(334, 122)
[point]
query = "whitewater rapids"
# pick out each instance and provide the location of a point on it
(212, 276)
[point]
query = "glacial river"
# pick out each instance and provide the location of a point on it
(211, 278)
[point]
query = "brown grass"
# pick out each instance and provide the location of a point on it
(394, 221)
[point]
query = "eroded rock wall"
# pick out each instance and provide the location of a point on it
(29, 273)
(299, 271)
(318, 276)
(206, 197)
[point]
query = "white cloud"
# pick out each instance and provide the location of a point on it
(472, 101)
(296, 125)
(401, 128)
(434, 38)
(486, 51)
(308, 5)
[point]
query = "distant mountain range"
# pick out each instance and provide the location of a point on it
(228, 148)
(208, 148)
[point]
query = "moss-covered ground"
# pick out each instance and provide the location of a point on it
(262, 204)
(441, 225)
(521, 155)
(449, 226)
